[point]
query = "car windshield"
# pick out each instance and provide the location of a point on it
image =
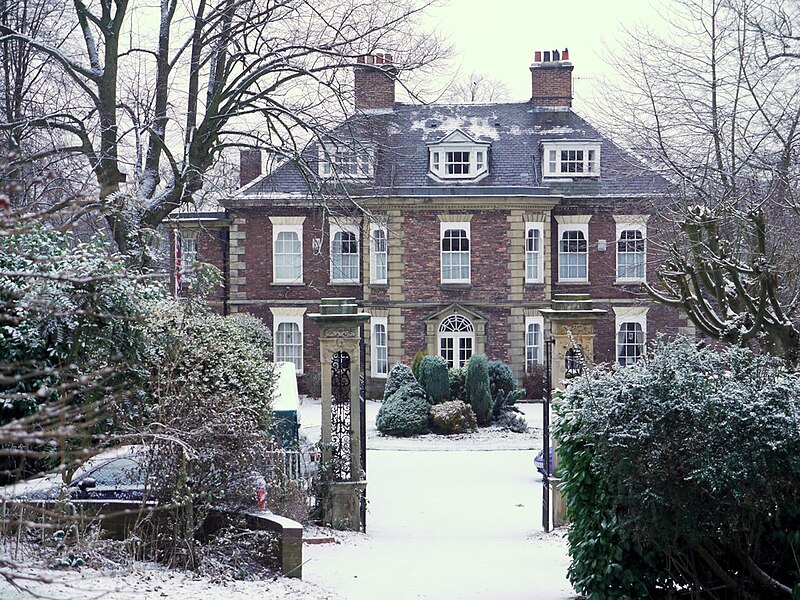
(124, 471)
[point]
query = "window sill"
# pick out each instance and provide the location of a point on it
(627, 282)
(345, 283)
(455, 286)
(380, 284)
(573, 282)
(379, 376)
(534, 283)
(288, 284)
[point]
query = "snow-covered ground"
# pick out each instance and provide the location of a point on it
(460, 524)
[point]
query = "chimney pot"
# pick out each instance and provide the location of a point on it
(537, 56)
(546, 56)
(360, 60)
(389, 58)
(379, 59)
(556, 55)
(565, 54)
(370, 59)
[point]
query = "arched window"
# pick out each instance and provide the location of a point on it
(573, 256)
(289, 344)
(456, 340)
(344, 257)
(630, 342)
(630, 255)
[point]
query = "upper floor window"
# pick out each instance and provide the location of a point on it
(344, 254)
(352, 162)
(378, 254)
(458, 156)
(287, 249)
(573, 253)
(534, 257)
(631, 255)
(455, 255)
(563, 158)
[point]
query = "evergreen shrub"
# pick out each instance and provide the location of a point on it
(477, 387)
(458, 380)
(405, 412)
(680, 476)
(434, 378)
(416, 362)
(502, 386)
(399, 376)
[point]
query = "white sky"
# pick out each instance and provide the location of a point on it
(499, 37)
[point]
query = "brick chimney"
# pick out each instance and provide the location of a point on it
(551, 79)
(375, 75)
(249, 165)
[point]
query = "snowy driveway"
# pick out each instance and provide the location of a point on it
(459, 524)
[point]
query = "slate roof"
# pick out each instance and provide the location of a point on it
(515, 131)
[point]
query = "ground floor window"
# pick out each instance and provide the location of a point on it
(456, 340)
(533, 342)
(630, 343)
(380, 348)
(288, 335)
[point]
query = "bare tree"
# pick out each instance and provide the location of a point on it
(477, 88)
(709, 104)
(159, 108)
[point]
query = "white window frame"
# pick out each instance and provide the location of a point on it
(288, 315)
(456, 337)
(477, 163)
(453, 225)
(375, 264)
(641, 227)
(533, 322)
(624, 315)
(353, 229)
(583, 228)
(531, 257)
(278, 229)
(346, 161)
(553, 158)
(374, 349)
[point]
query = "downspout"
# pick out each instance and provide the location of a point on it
(225, 239)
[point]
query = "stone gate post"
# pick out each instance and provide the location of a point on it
(340, 358)
(572, 318)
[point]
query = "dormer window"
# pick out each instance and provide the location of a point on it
(347, 162)
(458, 156)
(571, 158)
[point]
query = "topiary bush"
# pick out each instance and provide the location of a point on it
(451, 417)
(416, 362)
(503, 386)
(479, 395)
(405, 412)
(399, 376)
(458, 380)
(680, 475)
(434, 378)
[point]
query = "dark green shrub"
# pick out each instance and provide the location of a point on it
(451, 417)
(680, 474)
(502, 385)
(416, 362)
(405, 412)
(534, 383)
(434, 378)
(506, 402)
(458, 380)
(513, 421)
(477, 385)
(399, 376)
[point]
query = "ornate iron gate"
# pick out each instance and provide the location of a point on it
(341, 429)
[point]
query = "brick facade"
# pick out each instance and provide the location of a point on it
(414, 303)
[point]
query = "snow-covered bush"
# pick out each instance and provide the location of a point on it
(513, 421)
(405, 412)
(458, 388)
(451, 417)
(681, 473)
(399, 376)
(503, 386)
(434, 378)
(479, 395)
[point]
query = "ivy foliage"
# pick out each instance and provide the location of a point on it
(681, 473)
